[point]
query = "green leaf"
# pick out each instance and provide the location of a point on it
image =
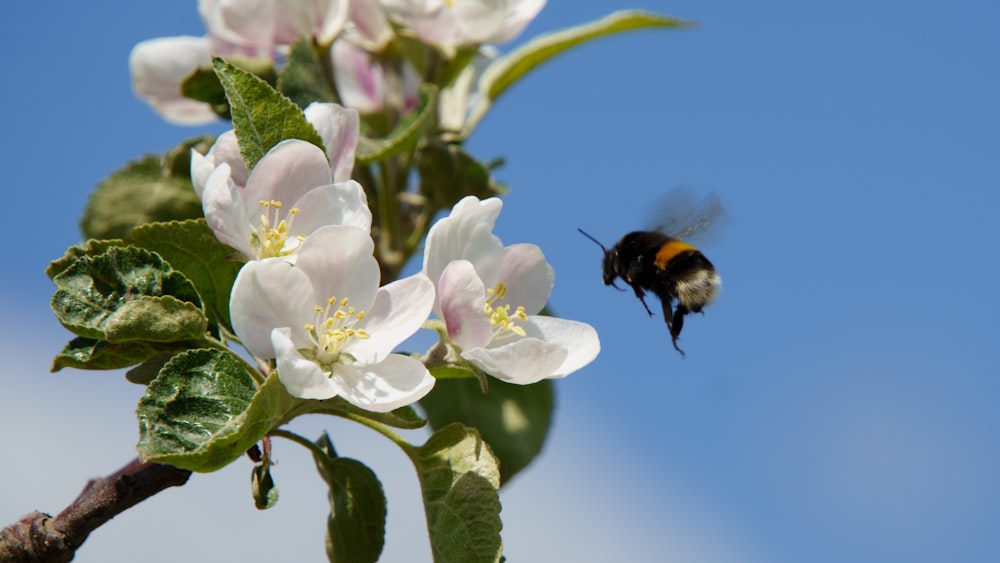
(95, 290)
(262, 117)
(265, 493)
(177, 161)
(448, 173)
(303, 79)
(355, 531)
(406, 133)
(506, 71)
(87, 353)
(459, 477)
(141, 192)
(192, 249)
(513, 419)
(403, 417)
(145, 372)
(155, 319)
(203, 84)
(90, 248)
(203, 411)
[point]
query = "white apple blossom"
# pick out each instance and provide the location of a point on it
(449, 24)
(487, 297)
(252, 28)
(287, 196)
(330, 327)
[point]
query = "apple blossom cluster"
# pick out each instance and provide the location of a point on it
(355, 35)
(309, 296)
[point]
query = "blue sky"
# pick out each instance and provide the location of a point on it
(838, 403)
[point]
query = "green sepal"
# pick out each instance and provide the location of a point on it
(459, 477)
(192, 249)
(94, 291)
(265, 493)
(405, 135)
(448, 173)
(507, 70)
(403, 417)
(203, 84)
(90, 248)
(513, 419)
(143, 191)
(303, 79)
(88, 353)
(262, 117)
(204, 410)
(355, 531)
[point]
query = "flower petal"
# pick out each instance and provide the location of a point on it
(158, 66)
(270, 294)
(400, 309)
(285, 174)
(227, 150)
(392, 383)
(340, 128)
(301, 377)
(343, 203)
(466, 234)
(222, 202)
(523, 361)
(463, 296)
(528, 276)
(579, 339)
(338, 260)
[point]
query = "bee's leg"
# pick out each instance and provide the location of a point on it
(642, 297)
(677, 324)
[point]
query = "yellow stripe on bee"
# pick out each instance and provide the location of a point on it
(668, 251)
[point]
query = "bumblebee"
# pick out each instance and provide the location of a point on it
(661, 262)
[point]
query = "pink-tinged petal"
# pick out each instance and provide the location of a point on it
(340, 128)
(301, 377)
(339, 262)
(360, 80)
(343, 203)
(462, 296)
(158, 67)
(270, 294)
(201, 169)
(320, 19)
(392, 383)
(246, 25)
(528, 276)
(400, 309)
(285, 174)
(226, 150)
(466, 234)
(580, 340)
(497, 23)
(523, 361)
(224, 211)
(367, 25)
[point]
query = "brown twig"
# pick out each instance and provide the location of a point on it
(39, 537)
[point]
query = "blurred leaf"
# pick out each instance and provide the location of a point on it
(192, 249)
(265, 493)
(303, 79)
(94, 291)
(513, 419)
(262, 117)
(145, 372)
(448, 173)
(141, 192)
(506, 71)
(405, 135)
(177, 161)
(355, 530)
(203, 411)
(88, 353)
(459, 478)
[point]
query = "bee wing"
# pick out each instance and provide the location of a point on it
(684, 215)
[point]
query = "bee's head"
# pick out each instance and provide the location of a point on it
(610, 263)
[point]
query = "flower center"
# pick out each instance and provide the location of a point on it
(334, 328)
(500, 317)
(271, 237)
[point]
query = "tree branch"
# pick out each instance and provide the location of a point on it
(39, 537)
